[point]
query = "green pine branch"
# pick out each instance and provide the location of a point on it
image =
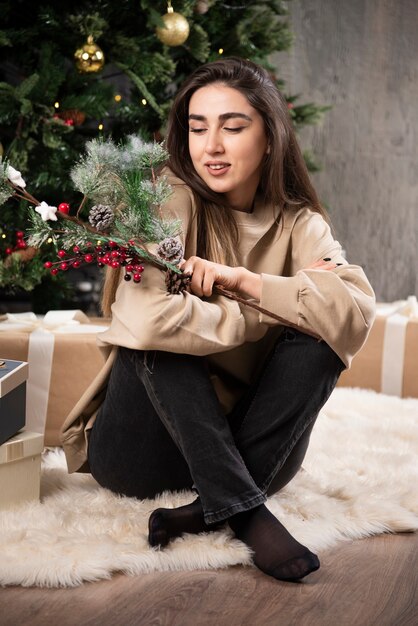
(17, 275)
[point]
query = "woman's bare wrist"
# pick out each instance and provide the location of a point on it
(249, 283)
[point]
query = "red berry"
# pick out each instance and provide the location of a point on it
(21, 245)
(129, 268)
(47, 264)
(137, 278)
(76, 249)
(76, 264)
(64, 266)
(20, 234)
(54, 271)
(114, 254)
(61, 253)
(115, 264)
(64, 207)
(9, 250)
(88, 258)
(113, 244)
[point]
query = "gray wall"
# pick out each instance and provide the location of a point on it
(361, 56)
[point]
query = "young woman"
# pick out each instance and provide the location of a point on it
(202, 392)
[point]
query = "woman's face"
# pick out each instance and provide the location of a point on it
(227, 143)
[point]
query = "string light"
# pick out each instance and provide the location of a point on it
(143, 101)
(221, 50)
(118, 97)
(100, 127)
(3, 236)
(57, 105)
(49, 240)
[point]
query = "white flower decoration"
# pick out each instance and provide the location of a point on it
(47, 212)
(15, 176)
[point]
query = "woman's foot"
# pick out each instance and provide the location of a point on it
(276, 552)
(167, 524)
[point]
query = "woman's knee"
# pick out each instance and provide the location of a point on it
(292, 464)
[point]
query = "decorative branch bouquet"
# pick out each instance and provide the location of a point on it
(122, 197)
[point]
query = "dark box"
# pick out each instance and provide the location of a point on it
(13, 377)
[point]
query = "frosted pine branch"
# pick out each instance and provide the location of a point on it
(139, 155)
(39, 230)
(156, 193)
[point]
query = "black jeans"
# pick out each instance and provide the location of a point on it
(161, 426)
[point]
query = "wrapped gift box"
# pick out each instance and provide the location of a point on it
(388, 361)
(63, 360)
(13, 376)
(20, 469)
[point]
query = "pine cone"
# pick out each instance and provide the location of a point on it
(177, 283)
(101, 216)
(171, 250)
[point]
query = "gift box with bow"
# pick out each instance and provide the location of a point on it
(388, 361)
(63, 360)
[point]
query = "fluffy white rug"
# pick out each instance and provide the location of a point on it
(359, 479)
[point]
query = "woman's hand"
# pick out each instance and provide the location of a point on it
(206, 273)
(323, 264)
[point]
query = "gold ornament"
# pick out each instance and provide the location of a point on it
(89, 58)
(201, 7)
(176, 28)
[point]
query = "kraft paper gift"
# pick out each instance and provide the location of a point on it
(388, 361)
(63, 360)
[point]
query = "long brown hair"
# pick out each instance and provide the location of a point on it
(284, 182)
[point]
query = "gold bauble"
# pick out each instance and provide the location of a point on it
(201, 7)
(89, 58)
(176, 28)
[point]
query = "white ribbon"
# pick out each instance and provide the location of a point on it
(398, 315)
(40, 354)
(74, 321)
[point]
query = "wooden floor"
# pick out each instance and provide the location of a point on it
(373, 582)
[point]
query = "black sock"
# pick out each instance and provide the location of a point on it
(166, 524)
(276, 552)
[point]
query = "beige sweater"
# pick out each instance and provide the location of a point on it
(338, 305)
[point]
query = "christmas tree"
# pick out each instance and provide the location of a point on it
(76, 70)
